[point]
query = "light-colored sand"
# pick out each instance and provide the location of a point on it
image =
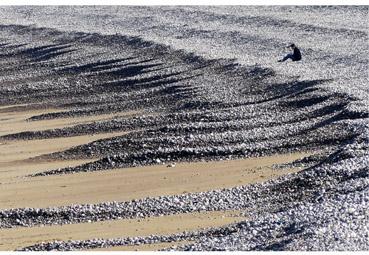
(13, 172)
(140, 182)
(21, 150)
(15, 107)
(11, 239)
(16, 190)
(15, 121)
(14, 155)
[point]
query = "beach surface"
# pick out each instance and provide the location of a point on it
(175, 128)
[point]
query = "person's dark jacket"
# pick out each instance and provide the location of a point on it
(296, 54)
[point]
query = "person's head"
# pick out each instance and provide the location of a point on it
(292, 46)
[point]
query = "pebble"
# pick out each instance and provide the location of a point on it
(206, 109)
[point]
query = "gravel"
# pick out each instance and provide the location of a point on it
(208, 89)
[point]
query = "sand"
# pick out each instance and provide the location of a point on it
(15, 155)
(14, 120)
(11, 239)
(132, 183)
(17, 190)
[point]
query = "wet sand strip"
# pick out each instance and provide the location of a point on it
(139, 182)
(20, 237)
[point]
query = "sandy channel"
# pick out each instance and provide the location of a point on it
(11, 239)
(18, 191)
